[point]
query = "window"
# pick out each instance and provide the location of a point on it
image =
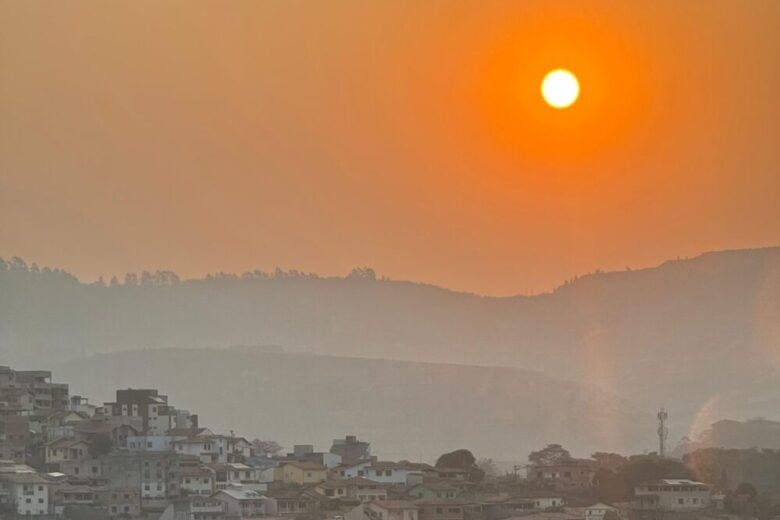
(439, 510)
(680, 500)
(388, 472)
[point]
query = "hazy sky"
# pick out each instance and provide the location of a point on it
(409, 136)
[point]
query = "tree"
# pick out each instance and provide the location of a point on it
(746, 489)
(100, 445)
(488, 467)
(462, 459)
(552, 454)
(266, 448)
(610, 461)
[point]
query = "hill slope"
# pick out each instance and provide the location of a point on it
(408, 410)
(701, 335)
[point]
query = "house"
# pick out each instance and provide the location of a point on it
(350, 449)
(295, 502)
(82, 469)
(194, 508)
(241, 502)
(114, 428)
(570, 475)
(401, 473)
(675, 495)
(391, 510)
(504, 505)
(150, 443)
(63, 450)
(433, 489)
(599, 510)
(202, 446)
(292, 472)
(81, 404)
(197, 479)
(306, 453)
(356, 488)
(120, 501)
(444, 473)
(351, 470)
(65, 495)
(26, 492)
(441, 509)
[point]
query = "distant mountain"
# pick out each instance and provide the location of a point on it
(700, 336)
(407, 410)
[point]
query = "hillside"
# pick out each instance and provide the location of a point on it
(408, 410)
(699, 335)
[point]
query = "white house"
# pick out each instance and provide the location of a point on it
(673, 495)
(198, 480)
(150, 442)
(202, 446)
(27, 492)
(599, 510)
(392, 473)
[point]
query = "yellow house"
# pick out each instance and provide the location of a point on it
(293, 472)
(64, 450)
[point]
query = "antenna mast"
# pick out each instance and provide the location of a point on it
(663, 432)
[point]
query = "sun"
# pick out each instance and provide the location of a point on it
(560, 88)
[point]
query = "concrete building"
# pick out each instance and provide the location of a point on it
(441, 509)
(350, 449)
(48, 395)
(118, 501)
(572, 476)
(391, 510)
(150, 443)
(157, 416)
(14, 435)
(677, 495)
(194, 508)
(25, 492)
(356, 488)
(306, 453)
(197, 479)
(156, 475)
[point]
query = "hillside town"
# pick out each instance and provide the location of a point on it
(140, 456)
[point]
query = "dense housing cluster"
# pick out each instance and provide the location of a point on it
(141, 457)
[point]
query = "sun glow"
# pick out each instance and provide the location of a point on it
(560, 88)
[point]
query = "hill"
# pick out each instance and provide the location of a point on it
(698, 335)
(406, 409)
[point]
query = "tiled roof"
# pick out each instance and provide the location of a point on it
(395, 504)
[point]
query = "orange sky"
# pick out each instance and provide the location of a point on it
(408, 136)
